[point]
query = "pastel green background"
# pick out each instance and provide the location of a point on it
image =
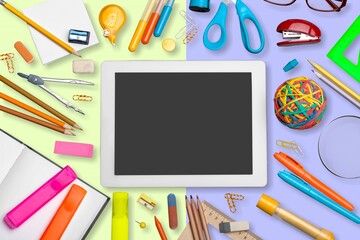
(42, 140)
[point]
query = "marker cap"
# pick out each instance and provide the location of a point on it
(267, 204)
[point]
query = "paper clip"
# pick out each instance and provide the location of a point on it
(83, 98)
(190, 36)
(189, 30)
(291, 145)
(9, 62)
(230, 198)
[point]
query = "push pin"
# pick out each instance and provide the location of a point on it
(141, 224)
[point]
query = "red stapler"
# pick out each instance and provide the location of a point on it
(299, 31)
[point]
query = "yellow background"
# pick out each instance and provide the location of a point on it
(13, 29)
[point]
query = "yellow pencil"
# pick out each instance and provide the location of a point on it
(336, 81)
(39, 28)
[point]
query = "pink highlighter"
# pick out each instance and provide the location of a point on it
(40, 197)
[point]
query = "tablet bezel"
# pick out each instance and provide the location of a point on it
(107, 152)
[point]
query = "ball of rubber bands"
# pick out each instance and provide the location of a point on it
(299, 103)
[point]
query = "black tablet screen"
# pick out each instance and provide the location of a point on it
(183, 123)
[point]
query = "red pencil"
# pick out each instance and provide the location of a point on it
(160, 229)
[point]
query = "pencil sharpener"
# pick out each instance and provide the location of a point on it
(79, 36)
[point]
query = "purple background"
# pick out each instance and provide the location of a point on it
(333, 25)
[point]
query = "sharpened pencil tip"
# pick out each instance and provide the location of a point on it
(76, 53)
(185, 197)
(311, 62)
(77, 127)
(191, 197)
(197, 196)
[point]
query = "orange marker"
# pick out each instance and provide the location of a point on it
(24, 52)
(64, 214)
(160, 229)
(150, 27)
(296, 168)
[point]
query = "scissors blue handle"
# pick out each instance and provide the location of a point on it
(220, 19)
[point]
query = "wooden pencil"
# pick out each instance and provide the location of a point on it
(203, 219)
(38, 28)
(39, 102)
(34, 111)
(197, 218)
(191, 219)
(35, 120)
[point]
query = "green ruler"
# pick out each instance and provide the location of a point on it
(336, 54)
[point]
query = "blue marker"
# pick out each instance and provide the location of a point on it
(304, 187)
(163, 18)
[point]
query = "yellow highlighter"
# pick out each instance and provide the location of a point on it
(120, 221)
(271, 207)
(141, 26)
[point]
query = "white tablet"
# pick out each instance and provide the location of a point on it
(183, 124)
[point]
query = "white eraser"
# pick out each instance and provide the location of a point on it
(227, 227)
(83, 66)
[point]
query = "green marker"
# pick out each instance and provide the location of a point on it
(336, 54)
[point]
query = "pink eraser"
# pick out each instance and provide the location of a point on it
(28, 207)
(74, 149)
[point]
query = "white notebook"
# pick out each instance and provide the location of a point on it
(24, 171)
(58, 17)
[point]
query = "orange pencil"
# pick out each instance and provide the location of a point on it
(64, 214)
(38, 101)
(35, 120)
(34, 111)
(160, 229)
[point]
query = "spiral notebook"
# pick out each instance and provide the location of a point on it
(22, 171)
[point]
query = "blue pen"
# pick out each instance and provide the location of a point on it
(303, 186)
(163, 18)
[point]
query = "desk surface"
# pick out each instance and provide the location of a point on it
(332, 25)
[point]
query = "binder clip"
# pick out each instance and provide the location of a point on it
(299, 31)
(146, 201)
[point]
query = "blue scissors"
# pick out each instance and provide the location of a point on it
(220, 19)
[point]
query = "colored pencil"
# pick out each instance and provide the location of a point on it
(160, 229)
(34, 111)
(38, 28)
(191, 219)
(197, 218)
(337, 89)
(203, 219)
(38, 102)
(336, 81)
(35, 120)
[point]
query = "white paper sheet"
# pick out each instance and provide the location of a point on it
(58, 17)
